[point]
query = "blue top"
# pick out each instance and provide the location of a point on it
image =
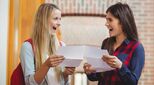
(128, 74)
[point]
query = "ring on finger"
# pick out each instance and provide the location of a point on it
(114, 62)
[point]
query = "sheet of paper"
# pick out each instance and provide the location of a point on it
(73, 55)
(71, 52)
(94, 52)
(94, 55)
(99, 64)
(76, 53)
(71, 63)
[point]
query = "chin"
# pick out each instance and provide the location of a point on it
(112, 35)
(53, 33)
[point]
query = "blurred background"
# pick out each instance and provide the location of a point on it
(82, 23)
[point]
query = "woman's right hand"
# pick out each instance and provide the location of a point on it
(54, 60)
(88, 68)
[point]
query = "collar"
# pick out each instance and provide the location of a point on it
(126, 41)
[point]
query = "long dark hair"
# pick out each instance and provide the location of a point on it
(125, 16)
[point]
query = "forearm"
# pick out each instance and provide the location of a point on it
(128, 76)
(41, 73)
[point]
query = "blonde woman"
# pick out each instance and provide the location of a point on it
(38, 60)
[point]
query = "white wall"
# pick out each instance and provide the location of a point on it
(84, 30)
(4, 11)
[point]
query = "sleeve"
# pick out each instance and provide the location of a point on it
(132, 74)
(27, 63)
(95, 76)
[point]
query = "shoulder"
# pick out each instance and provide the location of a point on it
(139, 53)
(26, 48)
(26, 51)
(139, 47)
(139, 50)
(26, 45)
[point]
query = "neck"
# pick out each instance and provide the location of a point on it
(120, 39)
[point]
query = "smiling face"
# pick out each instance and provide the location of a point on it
(114, 26)
(54, 21)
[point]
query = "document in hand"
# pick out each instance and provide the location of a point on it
(94, 56)
(74, 54)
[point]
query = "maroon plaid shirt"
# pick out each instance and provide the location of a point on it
(131, 53)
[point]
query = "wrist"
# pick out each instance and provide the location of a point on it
(45, 65)
(65, 76)
(120, 65)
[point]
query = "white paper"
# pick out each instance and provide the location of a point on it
(73, 55)
(71, 62)
(93, 57)
(76, 53)
(99, 64)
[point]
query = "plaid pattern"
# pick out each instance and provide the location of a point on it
(124, 53)
(111, 77)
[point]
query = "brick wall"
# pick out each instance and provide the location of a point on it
(83, 6)
(144, 15)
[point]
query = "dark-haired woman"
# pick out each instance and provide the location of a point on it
(126, 53)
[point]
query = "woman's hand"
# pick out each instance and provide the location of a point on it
(88, 68)
(54, 60)
(113, 61)
(68, 71)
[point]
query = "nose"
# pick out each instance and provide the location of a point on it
(58, 22)
(106, 24)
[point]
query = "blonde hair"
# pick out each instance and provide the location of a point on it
(59, 34)
(44, 43)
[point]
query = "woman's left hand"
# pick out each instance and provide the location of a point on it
(113, 61)
(68, 71)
